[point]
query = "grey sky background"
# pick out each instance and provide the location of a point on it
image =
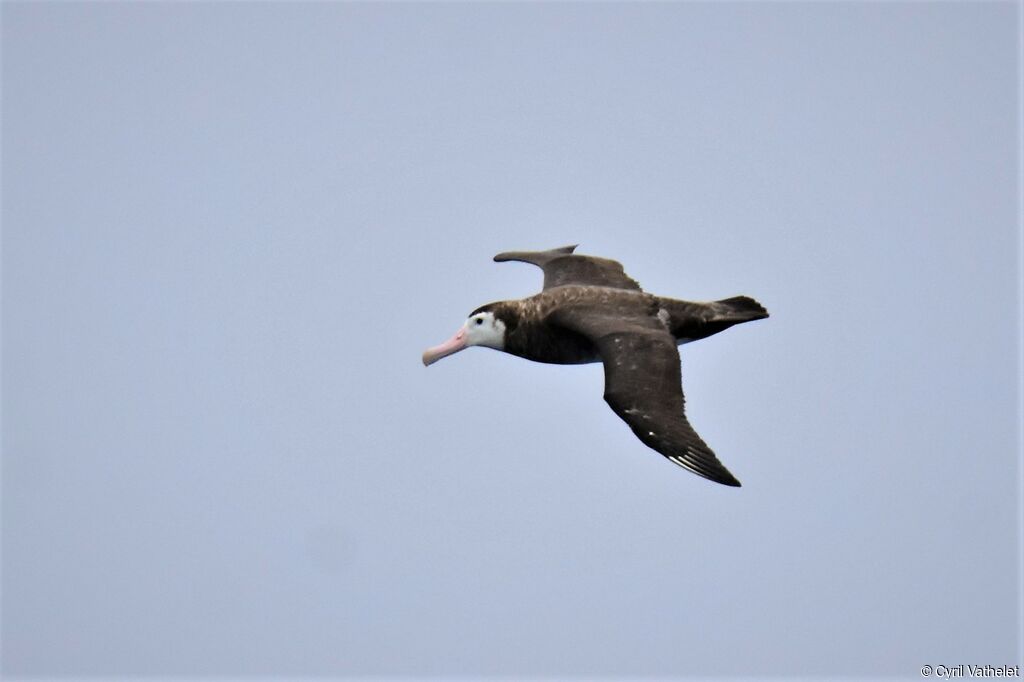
(229, 231)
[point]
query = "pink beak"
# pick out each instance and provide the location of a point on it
(452, 345)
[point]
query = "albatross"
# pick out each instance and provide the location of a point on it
(590, 310)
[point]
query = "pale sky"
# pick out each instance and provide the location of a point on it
(230, 229)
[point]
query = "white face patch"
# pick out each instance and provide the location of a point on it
(484, 329)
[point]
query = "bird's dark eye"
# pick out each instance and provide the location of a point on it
(479, 320)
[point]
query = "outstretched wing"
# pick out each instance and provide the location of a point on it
(642, 385)
(562, 267)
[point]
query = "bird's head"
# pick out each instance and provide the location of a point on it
(485, 326)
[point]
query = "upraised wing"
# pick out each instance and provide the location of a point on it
(562, 267)
(642, 384)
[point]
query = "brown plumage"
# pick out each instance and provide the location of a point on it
(591, 311)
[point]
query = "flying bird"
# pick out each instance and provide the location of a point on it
(590, 310)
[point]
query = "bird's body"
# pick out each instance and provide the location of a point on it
(534, 337)
(591, 311)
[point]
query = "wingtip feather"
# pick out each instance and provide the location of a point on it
(706, 465)
(535, 257)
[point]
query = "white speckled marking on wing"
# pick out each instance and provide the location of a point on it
(664, 317)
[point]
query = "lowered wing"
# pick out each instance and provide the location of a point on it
(642, 385)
